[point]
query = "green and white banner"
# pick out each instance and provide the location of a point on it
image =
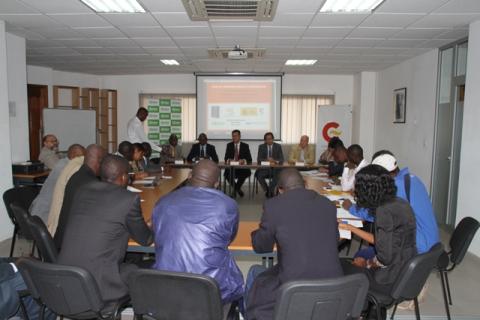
(164, 118)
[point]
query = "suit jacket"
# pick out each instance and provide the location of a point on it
(210, 152)
(277, 153)
(102, 218)
(244, 152)
(309, 154)
(303, 225)
(83, 176)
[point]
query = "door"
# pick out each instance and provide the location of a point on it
(37, 101)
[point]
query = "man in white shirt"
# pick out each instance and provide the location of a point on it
(135, 130)
(354, 164)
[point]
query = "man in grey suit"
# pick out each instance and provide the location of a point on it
(272, 152)
(104, 215)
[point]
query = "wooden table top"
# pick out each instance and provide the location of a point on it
(33, 175)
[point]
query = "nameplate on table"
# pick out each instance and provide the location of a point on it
(345, 234)
(178, 161)
(234, 163)
(299, 164)
(265, 163)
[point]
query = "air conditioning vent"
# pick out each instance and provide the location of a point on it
(222, 53)
(204, 10)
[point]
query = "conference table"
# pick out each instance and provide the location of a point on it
(175, 176)
(22, 179)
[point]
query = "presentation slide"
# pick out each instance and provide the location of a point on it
(250, 104)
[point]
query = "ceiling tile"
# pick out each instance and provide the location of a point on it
(143, 32)
(385, 20)
(15, 7)
(154, 50)
(434, 43)
(154, 42)
(293, 6)
(102, 32)
(362, 43)
(326, 32)
(454, 34)
(338, 19)
(235, 31)
(131, 19)
(168, 19)
(59, 33)
(58, 6)
(409, 6)
(117, 42)
(380, 33)
(277, 42)
(281, 31)
(445, 21)
(43, 43)
(57, 51)
(127, 50)
(400, 43)
(195, 42)
(460, 6)
(318, 42)
(229, 42)
(189, 31)
(418, 33)
(30, 21)
(163, 5)
(81, 20)
(290, 20)
(75, 43)
(310, 50)
(94, 50)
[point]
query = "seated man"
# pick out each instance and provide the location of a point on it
(237, 151)
(272, 152)
(410, 188)
(193, 228)
(88, 172)
(202, 150)
(171, 151)
(303, 225)
(335, 168)
(41, 204)
(103, 216)
(327, 156)
(302, 152)
(125, 150)
(49, 153)
(354, 164)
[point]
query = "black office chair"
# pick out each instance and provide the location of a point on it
(24, 197)
(21, 218)
(330, 299)
(460, 240)
(409, 283)
(43, 239)
(67, 291)
(175, 296)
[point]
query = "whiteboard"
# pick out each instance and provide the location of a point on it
(70, 126)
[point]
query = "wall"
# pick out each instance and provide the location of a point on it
(17, 95)
(412, 142)
(5, 157)
(469, 176)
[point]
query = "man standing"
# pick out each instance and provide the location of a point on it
(41, 204)
(171, 151)
(303, 225)
(272, 152)
(135, 129)
(103, 216)
(237, 151)
(303, 152)
(208, 220)
(202, 150)
(88, 172)
(49, 153)
(354, 164)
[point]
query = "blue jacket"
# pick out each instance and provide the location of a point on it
(193, 227)
(427, 228)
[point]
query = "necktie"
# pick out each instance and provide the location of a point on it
(236, 153)
(202, 151)
(173, 152)
(269, 151)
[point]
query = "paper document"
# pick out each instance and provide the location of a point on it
(345, 234)
(355, 223)
(132, 189)
(144, 181)
(344, 214)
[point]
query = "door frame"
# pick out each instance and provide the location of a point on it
(43, 88)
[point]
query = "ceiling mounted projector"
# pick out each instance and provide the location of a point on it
(237, 54)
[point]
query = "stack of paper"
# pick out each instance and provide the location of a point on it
(345, 234)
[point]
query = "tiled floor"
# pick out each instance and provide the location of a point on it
(464, 280)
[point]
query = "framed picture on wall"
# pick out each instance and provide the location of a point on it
(399, 105)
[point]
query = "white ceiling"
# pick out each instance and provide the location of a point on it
(67, 35)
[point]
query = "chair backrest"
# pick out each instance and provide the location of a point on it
(23, 196)
(43, 239)
(461, 238)
(332, 299)
(21, 218)
(414, 274)
(65, 290)
(174, 295)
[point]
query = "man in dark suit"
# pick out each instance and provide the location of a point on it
(104, 215)
(272, 152)
(88, 172)
(303, 225)
(202, 150)
(237, 151)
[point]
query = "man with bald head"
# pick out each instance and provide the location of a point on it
(103, 216)
(303, 225)
(88, 172)
(193, 228)
(302, 152)
(49, 152)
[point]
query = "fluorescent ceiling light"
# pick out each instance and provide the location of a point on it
(350, 6)
(109, 6)
(300, 62)
(170, 62)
